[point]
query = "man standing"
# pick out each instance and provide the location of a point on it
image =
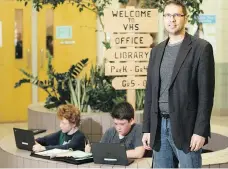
(179, 94)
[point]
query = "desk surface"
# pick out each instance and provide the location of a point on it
(10, 151)
(13, 157)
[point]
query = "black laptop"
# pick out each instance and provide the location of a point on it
(110, 153)
(24, 139)
(38, 131)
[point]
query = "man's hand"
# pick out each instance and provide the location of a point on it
(37, 148)
(146, 141)
(197, 142)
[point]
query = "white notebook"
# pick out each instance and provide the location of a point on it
(64, 153)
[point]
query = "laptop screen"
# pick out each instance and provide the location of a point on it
(110, 153)
(24, 139)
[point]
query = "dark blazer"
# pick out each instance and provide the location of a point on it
(191, 91)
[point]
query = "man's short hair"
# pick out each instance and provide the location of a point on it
(177, 3)
(123, 111)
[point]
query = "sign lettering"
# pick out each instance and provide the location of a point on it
(120, 83)
(138, 40)
(137, 54)
(130, 68)
(131, 20)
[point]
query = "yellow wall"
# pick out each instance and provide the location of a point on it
(83, 34)
(14, 102)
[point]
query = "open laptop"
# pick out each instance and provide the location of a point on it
(24, 139)
(110, 153)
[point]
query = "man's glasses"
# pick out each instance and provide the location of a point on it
(175, 15)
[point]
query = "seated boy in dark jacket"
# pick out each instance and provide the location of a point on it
(125, 131)
(69, 137)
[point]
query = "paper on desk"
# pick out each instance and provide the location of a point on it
(64, 153)
(75, 154)
(52, 153)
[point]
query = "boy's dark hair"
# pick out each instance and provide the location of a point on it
(123, 111)
(178, 3)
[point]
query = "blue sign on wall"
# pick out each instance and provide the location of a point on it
(211, 19)
(63, 32)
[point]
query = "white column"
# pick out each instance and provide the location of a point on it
(100, 46)
(160, 28)
(34, 46)
(100, 35)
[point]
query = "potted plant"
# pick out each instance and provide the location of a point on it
(57, 86)
(95, 91)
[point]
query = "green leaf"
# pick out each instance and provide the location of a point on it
(80, 9)
(123, 1)
(20, 82)
(107, 45)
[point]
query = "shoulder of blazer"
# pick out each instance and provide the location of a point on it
(158, 47)
(198, 42)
